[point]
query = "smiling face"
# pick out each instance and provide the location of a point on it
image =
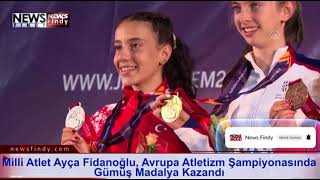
(137, 54)
(257, 21)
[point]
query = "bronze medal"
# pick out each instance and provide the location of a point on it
(297, 94)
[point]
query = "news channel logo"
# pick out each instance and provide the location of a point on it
(235, 137)
(40, 20)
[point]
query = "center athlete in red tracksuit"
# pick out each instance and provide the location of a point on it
(152, 64)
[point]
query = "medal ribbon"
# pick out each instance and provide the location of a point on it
(231, 91)
(310, 109)
(87, 129)
(106, 139)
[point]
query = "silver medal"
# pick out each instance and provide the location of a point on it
(75, 117)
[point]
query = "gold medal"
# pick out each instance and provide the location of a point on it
(172, 110)
(298, 94)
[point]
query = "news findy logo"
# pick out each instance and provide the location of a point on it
(40, 20)
(235, 137)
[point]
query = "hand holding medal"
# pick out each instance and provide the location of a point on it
(295, 98)
(171, 111)
(281, 114)
(168, 108)
(297, 94)
(74, 120)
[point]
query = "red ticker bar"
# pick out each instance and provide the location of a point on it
(21, 149)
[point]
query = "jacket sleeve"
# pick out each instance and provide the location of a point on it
(195, 134)
(92, 128)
